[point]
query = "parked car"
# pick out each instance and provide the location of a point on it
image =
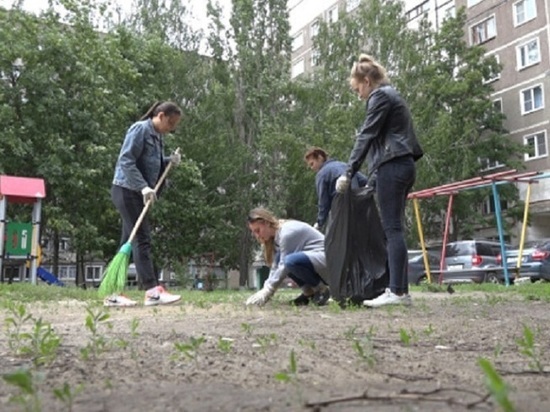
(473, 261)
(417, 271)
(535, 260)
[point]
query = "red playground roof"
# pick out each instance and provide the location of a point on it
(22, 189)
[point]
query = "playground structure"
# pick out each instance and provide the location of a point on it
(20, 240)
(491, 180)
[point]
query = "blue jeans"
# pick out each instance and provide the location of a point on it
(393, 182)
(301, 270)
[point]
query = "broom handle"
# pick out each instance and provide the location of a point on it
(149, 202)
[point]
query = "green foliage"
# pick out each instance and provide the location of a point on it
(40, 344)
(98, 343)
(246, 125)
(528, 348)
(28, 398)
(67, 395)
(188, 350)
(291, 374)
(496, 385)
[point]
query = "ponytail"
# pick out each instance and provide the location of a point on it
(168, 108)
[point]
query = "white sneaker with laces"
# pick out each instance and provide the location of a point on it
(159, 296)
(388, 298)
(119, 301)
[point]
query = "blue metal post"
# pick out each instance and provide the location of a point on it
(498, 216)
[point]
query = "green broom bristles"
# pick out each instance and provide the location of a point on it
(116, 274)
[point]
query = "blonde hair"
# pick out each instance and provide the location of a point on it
(269, 218)
(368, 67)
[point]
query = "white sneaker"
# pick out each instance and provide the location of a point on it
(388, 298)
(159, 296)
(118, 301)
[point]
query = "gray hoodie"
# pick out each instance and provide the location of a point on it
(296, 236)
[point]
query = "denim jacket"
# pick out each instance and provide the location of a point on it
(141, 160)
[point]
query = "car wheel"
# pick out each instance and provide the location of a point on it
(422, 280)
(492, 278)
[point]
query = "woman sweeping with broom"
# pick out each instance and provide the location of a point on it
(138, 172)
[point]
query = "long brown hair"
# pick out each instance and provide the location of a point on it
(260, 213)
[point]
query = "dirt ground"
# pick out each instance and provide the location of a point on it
(225, 357)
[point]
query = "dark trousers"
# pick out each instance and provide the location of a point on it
(129, 204)
(393, 182)
(301, 270)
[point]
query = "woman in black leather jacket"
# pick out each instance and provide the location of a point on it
(388, 142)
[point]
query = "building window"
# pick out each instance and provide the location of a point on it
(471, 3)
(332, 15)
(314, 29)
(298, 41)
(497, 104)
(314, 57)
(524, 11)
(487, 164)
(495, 76)
(483, 31)
(298, 68)
(536, 144)
(488, 206)
(419, 10)
(528, 53)
(352, 4)
(450, 13)
(66, 272)
(93, 273)
(532, 99)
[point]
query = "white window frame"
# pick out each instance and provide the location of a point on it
(298, 41)
(65, 244)
(497, 75)
(531, 89)
(522, 54)
(64, 272)
(500, 104)
(332, 15)
(314, 28)
(525, 15)
(487, 165)
(314, 57)
(472, 3)
(419, 10)
(298, 67)
(490, 30)
(93, 273)
(540, 134)
(352, 5)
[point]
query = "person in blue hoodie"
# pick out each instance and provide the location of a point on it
(327, 172)
(140, 164)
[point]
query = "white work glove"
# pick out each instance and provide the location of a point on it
(148, 194)
(342, 184)
(175, 158)
(261, 297)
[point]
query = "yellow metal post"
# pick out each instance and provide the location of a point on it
(421, 237)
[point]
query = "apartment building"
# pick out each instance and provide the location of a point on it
(517, 33)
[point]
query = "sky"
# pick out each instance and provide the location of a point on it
(197, 7)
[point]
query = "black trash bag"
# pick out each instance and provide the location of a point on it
(355, 248)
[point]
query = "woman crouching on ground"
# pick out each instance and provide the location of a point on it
(291, 248)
